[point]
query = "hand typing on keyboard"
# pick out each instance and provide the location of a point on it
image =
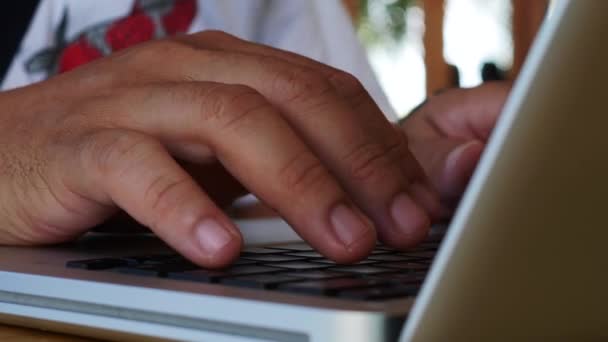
(170, 130)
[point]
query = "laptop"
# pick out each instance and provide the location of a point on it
(524, 257)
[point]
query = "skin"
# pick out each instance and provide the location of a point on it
(449, 132)
(447, 135)
(171, 130)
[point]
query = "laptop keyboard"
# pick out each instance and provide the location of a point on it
(296, 268)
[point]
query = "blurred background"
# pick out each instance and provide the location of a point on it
(418, 47)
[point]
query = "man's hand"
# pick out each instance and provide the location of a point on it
(448, 134)
(142, 129)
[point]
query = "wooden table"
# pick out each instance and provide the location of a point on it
(11, 333)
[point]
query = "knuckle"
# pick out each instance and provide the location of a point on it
(164, 193)
(303, 173)
(89, 113)
(213, 36)
(231, 105)
(347, 83)
(298, 84)
(349, 87)
(373, 161)
(152, 53)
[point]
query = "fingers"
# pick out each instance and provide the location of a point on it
(458, 168)
(136, 172)
(450, 164)
(460, 113)
(369, 157)
(344, 84)
(259, 148)
(447, 135)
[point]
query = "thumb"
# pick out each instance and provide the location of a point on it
(449, 163)
(458, 167)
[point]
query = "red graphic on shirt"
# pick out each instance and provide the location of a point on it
(141, 25)
(149, 19)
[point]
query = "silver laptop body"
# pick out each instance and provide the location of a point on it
(524, 257)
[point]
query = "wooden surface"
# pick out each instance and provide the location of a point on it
(437, 70)
(10, 333)
(527, 18)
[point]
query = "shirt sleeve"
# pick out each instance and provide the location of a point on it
(321, 30)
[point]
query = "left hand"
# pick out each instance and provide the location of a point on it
(449, 132)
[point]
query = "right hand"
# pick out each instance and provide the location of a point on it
(450, 131)
(305, 138)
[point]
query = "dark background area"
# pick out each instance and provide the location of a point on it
(14, 19)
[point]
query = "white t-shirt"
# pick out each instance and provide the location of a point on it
(66, 33)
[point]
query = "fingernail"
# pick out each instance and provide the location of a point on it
(459, 167)
(409, 218)
(212, 236)
(454, 156)
(349, 226)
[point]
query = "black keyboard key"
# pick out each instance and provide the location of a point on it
(203, 275)
(301, 247)
(143, 270)
(430, 244)
(181, 266)
(299, 265)
(380, 251)
(159, 258)
(419, 254)
(407, 266)
(259, 281)
(158, 270)
(171, 259)
(361, 270)
(154, 259)
(272, 258)
(316, 274)
(242, 261)
(135, 260)
(306, 254)
(391, 257)
(258, 250)
(97, 264)
(385, 248)
(248, 270)
(426, 262)
(330, 286)
(426, 248)
(384, 292)
(402, 278)
(331, 262)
